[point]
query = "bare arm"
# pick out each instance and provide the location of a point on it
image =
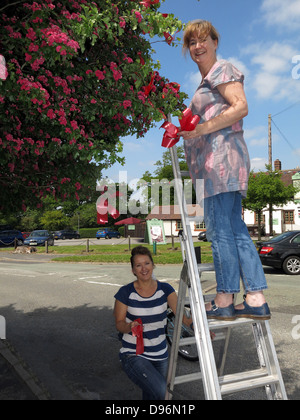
(172, 302)
(234, 94)
(120, 312)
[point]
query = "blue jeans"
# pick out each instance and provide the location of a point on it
(235, 256)
(149, 375)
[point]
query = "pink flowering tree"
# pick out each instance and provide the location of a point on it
(76, 76)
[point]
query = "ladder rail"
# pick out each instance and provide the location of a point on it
(202, 333)
(176, 336)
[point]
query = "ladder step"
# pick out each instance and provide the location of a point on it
(187, 341)
(205, 267)
(235, 382)
(249, 380)
(191, 377)
(216, 324)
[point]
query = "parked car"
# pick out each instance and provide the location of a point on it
(282, 252)
(66, 234)
(202, 237)
(39, 238)
(8, 237)
(107, 233)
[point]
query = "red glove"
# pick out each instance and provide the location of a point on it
(138, 333)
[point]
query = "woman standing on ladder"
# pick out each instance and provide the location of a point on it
(217, 153)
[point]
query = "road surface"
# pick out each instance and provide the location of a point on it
(60, 320)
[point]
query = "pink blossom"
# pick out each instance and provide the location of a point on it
(138, 16)
(51, 114)
(11, 167)
(31, 34)
(100, 75)
(74, 125)
(64, 180)
(127, 104)
(128, 59)
(37, 63)
(63, 120)
(33, 47)
(142, 96)
(28, 57)
(117, 75)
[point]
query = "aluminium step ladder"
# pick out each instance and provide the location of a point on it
(215, 384)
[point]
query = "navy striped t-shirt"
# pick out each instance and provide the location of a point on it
(153, 312)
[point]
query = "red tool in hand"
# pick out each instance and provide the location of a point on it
(188, 122)
(137, 332)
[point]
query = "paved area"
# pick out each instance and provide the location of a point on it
(62, 344)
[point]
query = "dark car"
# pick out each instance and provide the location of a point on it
(282, 252)
(66, 234)
(107, 233)
(39, 238)
(11, 237)
(202, 236)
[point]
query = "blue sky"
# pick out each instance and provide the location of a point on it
(261, 37)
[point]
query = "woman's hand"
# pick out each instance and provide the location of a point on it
(188, 135)
(134, 324)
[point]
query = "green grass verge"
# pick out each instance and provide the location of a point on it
(119, 253)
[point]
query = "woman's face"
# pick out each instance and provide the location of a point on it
(143, 267)
(203, 49)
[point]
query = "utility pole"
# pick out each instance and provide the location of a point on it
(271, 167)
(270, 142)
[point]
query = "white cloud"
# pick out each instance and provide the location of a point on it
(257, 136)
(256, 142)
(258, 164)
(284, 14)
(271, 76)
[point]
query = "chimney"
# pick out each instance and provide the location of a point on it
(277, 165)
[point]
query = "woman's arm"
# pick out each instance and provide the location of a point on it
(120, 312)
(233, 93)
(172, 302)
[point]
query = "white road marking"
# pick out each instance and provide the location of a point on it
(93, 277)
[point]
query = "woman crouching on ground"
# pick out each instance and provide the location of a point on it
(147, 299)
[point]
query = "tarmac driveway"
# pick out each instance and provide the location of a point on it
(60, 319)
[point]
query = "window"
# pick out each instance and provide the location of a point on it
(179, 225)
(199, 226)
(263, 219)
(289, 217)
(296, 240)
